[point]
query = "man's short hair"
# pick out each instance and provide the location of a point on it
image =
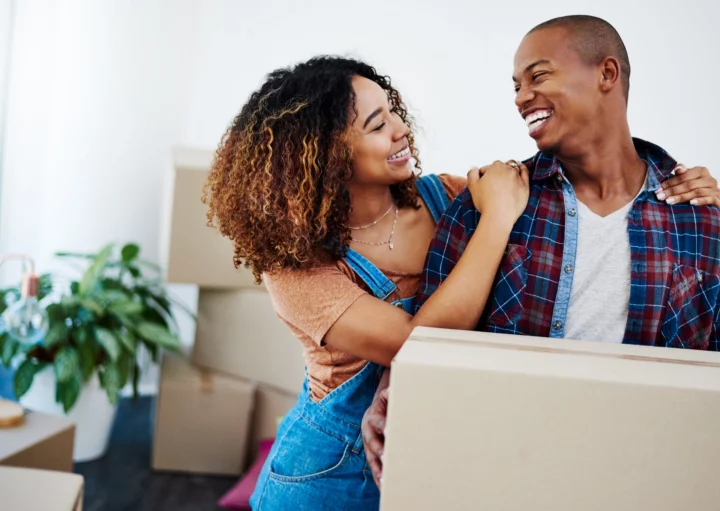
(595, 39)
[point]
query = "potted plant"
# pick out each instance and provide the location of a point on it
(97, 326)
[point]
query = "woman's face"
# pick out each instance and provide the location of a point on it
(378, 138)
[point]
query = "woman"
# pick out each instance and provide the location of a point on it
(315, 183)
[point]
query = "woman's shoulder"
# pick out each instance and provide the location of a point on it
(452, 184)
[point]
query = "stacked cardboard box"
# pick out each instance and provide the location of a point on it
(238, 339)
(487, 421)
(40, 441)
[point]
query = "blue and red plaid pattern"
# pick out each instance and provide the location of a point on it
(675, 261)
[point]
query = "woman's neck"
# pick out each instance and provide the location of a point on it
(368, 204)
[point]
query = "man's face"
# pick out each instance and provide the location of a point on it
(557, 92)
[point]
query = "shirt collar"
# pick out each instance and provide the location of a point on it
(660, 164)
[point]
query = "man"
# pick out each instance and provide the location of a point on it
(598, 253)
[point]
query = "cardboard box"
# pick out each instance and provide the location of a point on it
(193, 252)
(487, 421)
(41, 441)
(202, 420)
(271, 405)
(23, 489)
(238, 333)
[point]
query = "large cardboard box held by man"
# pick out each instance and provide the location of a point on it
(193, 252)
(202, 420)
(487, 421)
(40, 441)
(238, 333)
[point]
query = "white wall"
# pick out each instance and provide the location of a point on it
(99, 91)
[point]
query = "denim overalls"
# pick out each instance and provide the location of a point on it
(317, 462)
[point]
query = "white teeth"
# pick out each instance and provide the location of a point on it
(537, 116)
(400, 154)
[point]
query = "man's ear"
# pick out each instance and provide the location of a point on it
(609, 74)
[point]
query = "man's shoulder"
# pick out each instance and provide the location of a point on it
(695, 234)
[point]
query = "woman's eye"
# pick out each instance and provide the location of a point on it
(379, 127)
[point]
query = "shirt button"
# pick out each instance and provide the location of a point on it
(559, 177)
(572, 212)
(558, 325)
(568, 269)
(699, 277)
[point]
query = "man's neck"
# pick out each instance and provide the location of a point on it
(606, 169)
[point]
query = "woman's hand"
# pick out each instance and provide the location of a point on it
(500, 189)
(694, 185)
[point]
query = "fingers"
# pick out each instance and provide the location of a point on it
(693, 196)
(474, 174)
(524, 174)
(713, 200)
(375, 463)
(683, 174)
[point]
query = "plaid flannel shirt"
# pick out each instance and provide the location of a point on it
(675, 261)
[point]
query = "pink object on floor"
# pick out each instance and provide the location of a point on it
(238, 497)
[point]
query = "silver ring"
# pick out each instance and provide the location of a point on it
(513, 164)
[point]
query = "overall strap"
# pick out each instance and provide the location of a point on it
(379, 284)
(433, 194)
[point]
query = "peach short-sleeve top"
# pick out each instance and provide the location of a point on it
(310, 301)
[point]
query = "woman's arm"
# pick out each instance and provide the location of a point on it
(375, 330)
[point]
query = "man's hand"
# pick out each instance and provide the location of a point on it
(373, 432)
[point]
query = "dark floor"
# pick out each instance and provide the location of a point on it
(122, 479)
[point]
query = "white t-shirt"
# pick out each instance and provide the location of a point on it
(600, 294)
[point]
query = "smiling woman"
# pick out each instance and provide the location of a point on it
(317, 183)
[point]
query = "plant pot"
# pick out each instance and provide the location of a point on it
(93, 414)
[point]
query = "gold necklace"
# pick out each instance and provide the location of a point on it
(373, 223)
(389, 241)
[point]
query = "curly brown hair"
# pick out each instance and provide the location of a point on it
(276, 187)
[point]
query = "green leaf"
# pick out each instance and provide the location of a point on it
(109, 342)
(110, 381)
(152, 315)
(123, 368)
(113, 296)
(130, 252)
(56, 335)
(75, 255)
(93, 306)
(24, 375)
(67, 393)
(158, 335)
(75, 287)
(87, 359)
(135, 271)
(128, 308)
(10, 347)
(93, 273)
(66, 365)
(57, 311)
(128, 340)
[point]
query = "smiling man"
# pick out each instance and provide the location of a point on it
(599, 253)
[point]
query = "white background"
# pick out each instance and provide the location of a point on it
(99, 90)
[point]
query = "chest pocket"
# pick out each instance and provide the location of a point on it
(688, 317)
(505, 308)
